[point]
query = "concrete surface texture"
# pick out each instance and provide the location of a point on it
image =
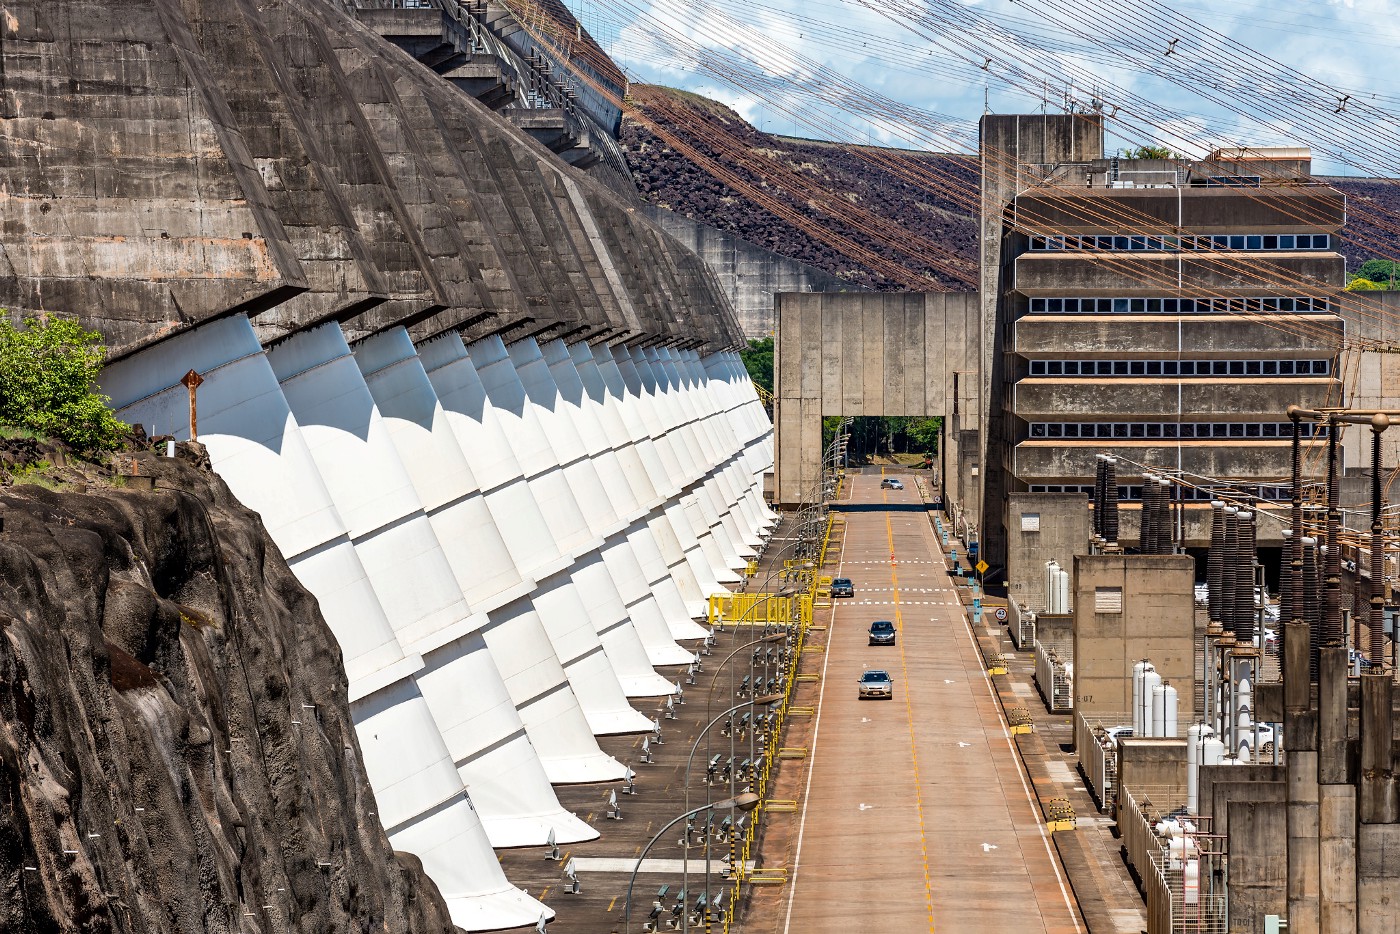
(1128, 608)
(171, 163)
(874, 354)
(474, 695)
(750, 275)
(917, 814)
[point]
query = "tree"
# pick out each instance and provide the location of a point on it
(758, 360)
(1152, 152)
(1383, 272)
(924, 432)
(47, 372)
(1364, 285)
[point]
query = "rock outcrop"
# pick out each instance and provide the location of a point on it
(176, 746)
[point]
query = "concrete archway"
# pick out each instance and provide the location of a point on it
(863, 353)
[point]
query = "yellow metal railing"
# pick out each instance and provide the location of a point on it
(759, 609)
(795, 610)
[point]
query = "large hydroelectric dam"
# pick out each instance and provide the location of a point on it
(492, 417)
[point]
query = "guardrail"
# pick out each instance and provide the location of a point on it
(1054, 675)
(1098, 753)
(1182, 878)
(1020, 625)
(799, 620)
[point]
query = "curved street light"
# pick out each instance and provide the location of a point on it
(744, 802)
(762, 701)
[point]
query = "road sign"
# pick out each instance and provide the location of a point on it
(1001, 614)
(982, 567)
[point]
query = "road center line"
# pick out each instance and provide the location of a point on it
(909, 718)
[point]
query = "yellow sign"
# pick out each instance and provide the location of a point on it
(982, 566)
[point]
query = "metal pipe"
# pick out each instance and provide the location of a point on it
(1379, 423)
(1332, 621)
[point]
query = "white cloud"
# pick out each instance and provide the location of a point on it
(1348, 44)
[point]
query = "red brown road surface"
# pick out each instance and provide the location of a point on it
(917, 816)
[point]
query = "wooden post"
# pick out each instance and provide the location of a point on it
(191, 381)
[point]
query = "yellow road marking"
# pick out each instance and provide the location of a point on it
(612, 903)
(909, 720)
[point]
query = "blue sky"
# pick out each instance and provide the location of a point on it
(1318, 73)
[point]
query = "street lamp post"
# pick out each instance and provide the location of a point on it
(744, 802)
(690, 760)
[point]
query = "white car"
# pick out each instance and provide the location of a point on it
(1266, 742)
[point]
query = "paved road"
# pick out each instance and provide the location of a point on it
(917, 814)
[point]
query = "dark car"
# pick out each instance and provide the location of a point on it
(882, 632)
(875, 683)
(841, 587)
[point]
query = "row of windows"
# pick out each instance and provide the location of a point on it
(1165, 244)
(1134, 493)
(1175, 306)
(1172, 430)
(1180, 367)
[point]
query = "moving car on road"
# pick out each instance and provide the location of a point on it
(876, 683)
(890, 483)
(842, 587)
(882, 632)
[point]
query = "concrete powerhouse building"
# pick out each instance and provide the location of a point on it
(1166, 312)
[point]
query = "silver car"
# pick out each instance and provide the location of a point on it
(876, 683)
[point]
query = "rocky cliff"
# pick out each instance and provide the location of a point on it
(176, 748)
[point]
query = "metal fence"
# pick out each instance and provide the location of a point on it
(1097, 746)
(1182, 879)
(1021, 625)
(1054, 675)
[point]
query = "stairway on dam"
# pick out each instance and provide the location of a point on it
(490, 414)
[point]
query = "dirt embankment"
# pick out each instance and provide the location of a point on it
(176, 748)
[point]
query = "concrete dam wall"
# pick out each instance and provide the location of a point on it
(488, 412)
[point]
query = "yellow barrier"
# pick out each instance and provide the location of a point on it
(759, 609)
(1059, 815)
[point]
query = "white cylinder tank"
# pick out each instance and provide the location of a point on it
(1150, 682)
(1170, 702)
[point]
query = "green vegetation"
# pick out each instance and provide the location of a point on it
(888, 436)
(758, 360)
(1383, 272)
(34, 475)
(47, 372)
(1152, 152)
(1358, 284)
